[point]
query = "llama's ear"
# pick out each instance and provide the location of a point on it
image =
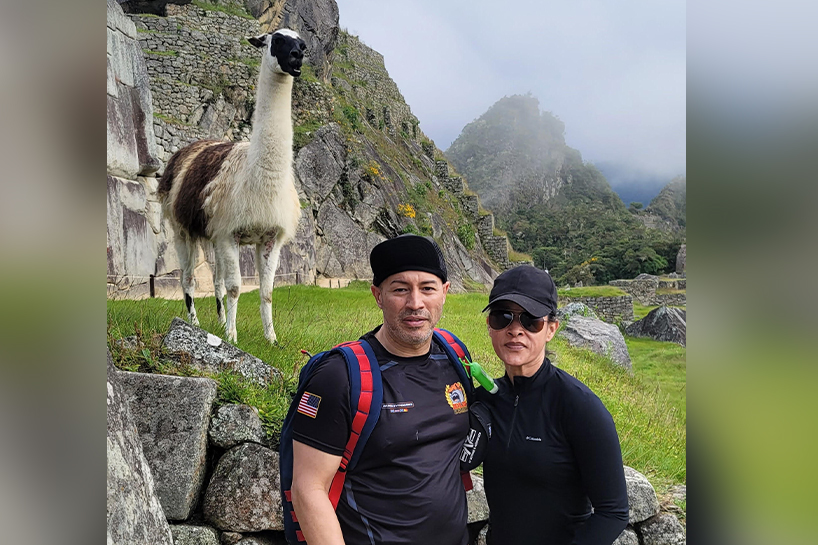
(258, 41)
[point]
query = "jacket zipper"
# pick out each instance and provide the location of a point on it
(513, 420)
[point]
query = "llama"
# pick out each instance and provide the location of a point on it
(228, 194)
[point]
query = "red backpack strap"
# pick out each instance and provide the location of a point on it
(452, 342)
(368, 389)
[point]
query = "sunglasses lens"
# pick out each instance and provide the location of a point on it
(534, 325)
(499, 319)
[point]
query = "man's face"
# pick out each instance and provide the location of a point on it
(412, 303)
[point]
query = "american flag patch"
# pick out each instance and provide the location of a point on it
(309, 404)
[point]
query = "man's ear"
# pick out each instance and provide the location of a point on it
(258, 41)
(376, 293)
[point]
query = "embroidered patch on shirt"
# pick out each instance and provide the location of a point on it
(399, 407)
(456, 398)
(309, 404)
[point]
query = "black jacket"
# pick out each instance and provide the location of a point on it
(553, 455)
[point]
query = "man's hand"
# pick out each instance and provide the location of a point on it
(313, 472)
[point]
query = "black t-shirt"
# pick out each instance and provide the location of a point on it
(406, 487)
(553, 455)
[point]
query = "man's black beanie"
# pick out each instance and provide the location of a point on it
(406, 253)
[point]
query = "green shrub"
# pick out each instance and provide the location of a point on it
(465, 232)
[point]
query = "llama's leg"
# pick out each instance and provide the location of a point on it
(187, 251)
(218, 283)
(227, 255)
(267, 254)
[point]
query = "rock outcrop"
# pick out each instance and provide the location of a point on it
(598, 336)
(662, 324)
(207, 352)
(172, 416)
(134, 514)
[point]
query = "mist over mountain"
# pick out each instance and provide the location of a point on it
(557, 208)
(632, 185)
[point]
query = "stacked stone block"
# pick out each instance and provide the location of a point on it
(609, 309)
(471, 206)
(485, 226)
(455, 185)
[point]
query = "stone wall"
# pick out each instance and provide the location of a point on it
(134, 230)
(675, 284)
(609, 309)
(485, 225)
(643, 288)
(497, 248)
(672, 299)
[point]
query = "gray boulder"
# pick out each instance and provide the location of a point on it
(172, 415)
(208, 352)
(575, 309)
(188, 534)
(598, 336)
(234, 424)
(642, 500)
(663, 529)
(243, 494)
(662, 324)
(134, 514)
(476, 498)
(627, 537)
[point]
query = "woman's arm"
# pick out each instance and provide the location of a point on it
(593, 437)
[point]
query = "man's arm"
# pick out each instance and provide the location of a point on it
(313, 472)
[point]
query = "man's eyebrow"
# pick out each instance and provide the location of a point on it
(405, 283)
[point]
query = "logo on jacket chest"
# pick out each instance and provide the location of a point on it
(399, 407)
(456, 397)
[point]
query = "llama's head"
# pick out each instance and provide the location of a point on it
(283, 49)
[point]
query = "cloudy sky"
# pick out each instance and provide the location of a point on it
(614, 72)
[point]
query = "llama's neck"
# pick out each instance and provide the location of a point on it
(271, 143)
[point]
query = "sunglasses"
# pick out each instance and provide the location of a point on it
(501, 319)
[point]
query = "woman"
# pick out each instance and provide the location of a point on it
(553, 471)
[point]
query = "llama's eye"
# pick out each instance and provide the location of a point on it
(278, 40)
(303, 47)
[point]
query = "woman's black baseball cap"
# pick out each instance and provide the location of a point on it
(530, 287)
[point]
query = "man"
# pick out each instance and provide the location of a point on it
(406, 487)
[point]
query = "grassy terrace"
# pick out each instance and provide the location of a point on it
(650, 422)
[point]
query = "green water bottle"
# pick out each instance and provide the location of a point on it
(478, 373)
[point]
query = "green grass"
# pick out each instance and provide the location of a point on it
(651, 427)
(640, 311)
(514, 255)
(669, 291)
(664, 365)
(591, 291)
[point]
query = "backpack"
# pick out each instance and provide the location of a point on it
(366, 399)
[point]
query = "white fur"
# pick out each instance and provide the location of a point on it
(253, 194)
